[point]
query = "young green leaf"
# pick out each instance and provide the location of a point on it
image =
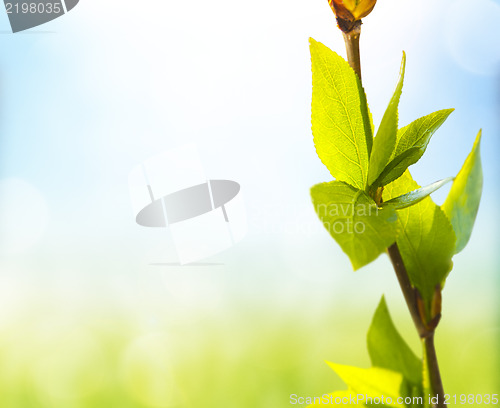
(412, 141)
(426, 239)
(352, 218)
(388, 350)
(340, 118)
(462, 203)
(414, 197)
(385, 141)
(373, 382)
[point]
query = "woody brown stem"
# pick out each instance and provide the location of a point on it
(435, 381)
(351, 39)
(407, 289)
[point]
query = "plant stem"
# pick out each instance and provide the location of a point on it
(431, 361)
(425, 332)
(351, 39)
(407, 289)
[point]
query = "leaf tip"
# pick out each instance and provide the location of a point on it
(479, 137)
(382, 301)
(403, 64)
(333, 366)
(313, 43)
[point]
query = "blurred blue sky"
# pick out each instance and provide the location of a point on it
(90, 95)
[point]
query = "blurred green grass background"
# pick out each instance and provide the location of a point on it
(107, 356)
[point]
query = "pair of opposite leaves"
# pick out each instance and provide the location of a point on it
(428, 235)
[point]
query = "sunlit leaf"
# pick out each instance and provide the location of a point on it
(340, 118)
(385, 141)
(426, 239)
(362, 230)
(411, 143)
(372, 382)
(387, 348)
(462, 203)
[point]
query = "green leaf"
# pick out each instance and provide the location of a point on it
(340, 118)
(373, 382)
(462, 203)
(362, 230)
(426, 239)
(388, 350)
(385, 141)
(412, 141)
(414, 197)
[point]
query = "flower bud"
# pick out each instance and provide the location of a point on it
(349, 12)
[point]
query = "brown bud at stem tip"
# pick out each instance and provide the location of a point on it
(350, 12)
